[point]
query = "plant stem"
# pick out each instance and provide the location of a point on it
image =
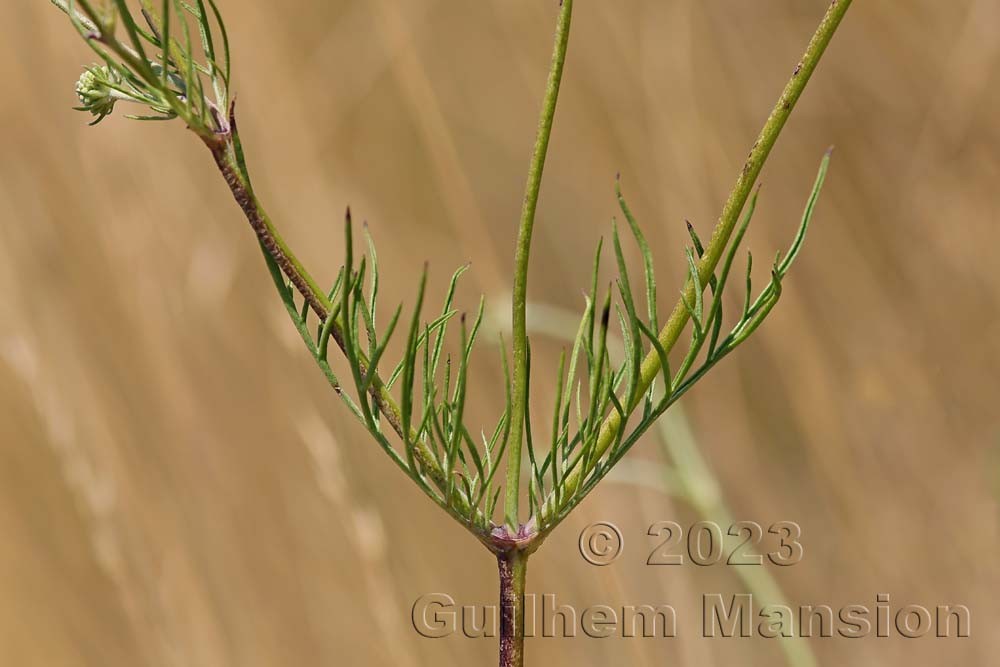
(224, 151)
(523, 252)
(678, 320)
(513, 567)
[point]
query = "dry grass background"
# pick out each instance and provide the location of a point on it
(179, 488)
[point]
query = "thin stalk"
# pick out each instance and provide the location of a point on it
(523, 252)
(678, 320)
(513, 567)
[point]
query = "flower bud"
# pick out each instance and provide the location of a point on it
(95, 93)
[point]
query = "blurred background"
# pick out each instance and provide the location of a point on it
(179, 487)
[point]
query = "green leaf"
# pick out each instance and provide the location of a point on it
(633, 348)
(749, 287)
(409, 366)
(449, 299)
(373, 290)
(807, 216)
(700, 249)
(699, 307)
(593, 300)
(556, 415)
(455, 437)
(647, 255)
(661, 354)
(377, 356)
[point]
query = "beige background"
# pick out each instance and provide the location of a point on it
(178, 486)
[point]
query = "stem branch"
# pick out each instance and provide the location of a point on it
(519, 318)
(678, 320)
(224, 152)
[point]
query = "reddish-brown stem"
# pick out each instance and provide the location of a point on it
(513, 567)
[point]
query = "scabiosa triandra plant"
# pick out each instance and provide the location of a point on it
(172, 58)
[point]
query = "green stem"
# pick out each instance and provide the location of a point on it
(519, 319)
(513, 568)
(672, 330)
